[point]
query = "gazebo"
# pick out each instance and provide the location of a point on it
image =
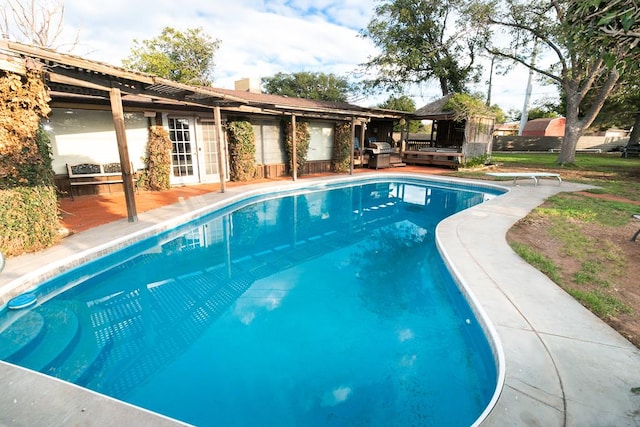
(453, 141)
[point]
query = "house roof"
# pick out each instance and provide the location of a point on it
(301, 105)
(70, 74)
(507, 126)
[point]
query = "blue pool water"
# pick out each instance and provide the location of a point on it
(326, 307)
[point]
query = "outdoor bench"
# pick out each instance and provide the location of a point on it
(94, 174)
(441, 158)
(532, 175)
(631, 151)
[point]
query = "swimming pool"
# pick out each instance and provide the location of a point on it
(328, 306)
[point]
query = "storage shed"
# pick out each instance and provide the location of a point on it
(545, 127)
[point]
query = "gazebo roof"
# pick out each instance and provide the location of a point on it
(435, 110)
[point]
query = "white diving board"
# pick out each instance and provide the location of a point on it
(532, 175)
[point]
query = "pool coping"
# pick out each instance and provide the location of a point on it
(562, 365)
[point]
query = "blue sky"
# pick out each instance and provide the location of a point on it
(259, 38)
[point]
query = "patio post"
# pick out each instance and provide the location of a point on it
(123, 150)
(353, 142)
(294, 154)
(222, 166)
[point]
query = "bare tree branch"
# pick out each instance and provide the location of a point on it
(541, 36)
(37, 22)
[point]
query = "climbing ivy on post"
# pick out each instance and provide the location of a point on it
(157, 177)
(242, 149)
(342, 148)
(303, 138)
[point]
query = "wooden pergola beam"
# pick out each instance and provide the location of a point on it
(123, 150)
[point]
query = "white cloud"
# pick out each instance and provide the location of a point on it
(258, 38)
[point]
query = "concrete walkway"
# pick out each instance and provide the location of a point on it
(563, 366)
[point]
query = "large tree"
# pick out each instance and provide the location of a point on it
(621, 108)
(618, 19)
(185, 57)
(584, 57)
(421, 41)
(320, 86)
(402, 103)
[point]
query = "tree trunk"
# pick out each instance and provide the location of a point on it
(575, 126)
(572, 131)
(444, 86)
(634, 137)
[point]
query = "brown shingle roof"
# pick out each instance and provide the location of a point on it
(435, 108)
(269, 99)
(75, 75)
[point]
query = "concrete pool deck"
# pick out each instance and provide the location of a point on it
(563, 366)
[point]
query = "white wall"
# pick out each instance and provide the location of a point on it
(88, 136)
(269, 145)
(321, 141)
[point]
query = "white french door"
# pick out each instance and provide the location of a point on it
(184, 168)
(208, 152)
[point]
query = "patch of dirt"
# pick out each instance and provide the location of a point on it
(622, 274)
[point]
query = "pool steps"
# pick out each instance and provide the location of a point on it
(20, 338)
(51, 336)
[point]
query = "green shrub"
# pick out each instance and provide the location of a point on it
(465, 106)
(242, 150)
(477, 161)
(29, 219)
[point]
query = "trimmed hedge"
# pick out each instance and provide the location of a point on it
(29, 219)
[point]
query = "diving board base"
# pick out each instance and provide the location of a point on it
(531, 175)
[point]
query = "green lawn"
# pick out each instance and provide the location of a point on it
(608, 162)
(610, 172)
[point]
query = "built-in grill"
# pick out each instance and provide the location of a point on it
(379, 154)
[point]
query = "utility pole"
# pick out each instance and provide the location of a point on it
(493, 58)
(525, 115)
